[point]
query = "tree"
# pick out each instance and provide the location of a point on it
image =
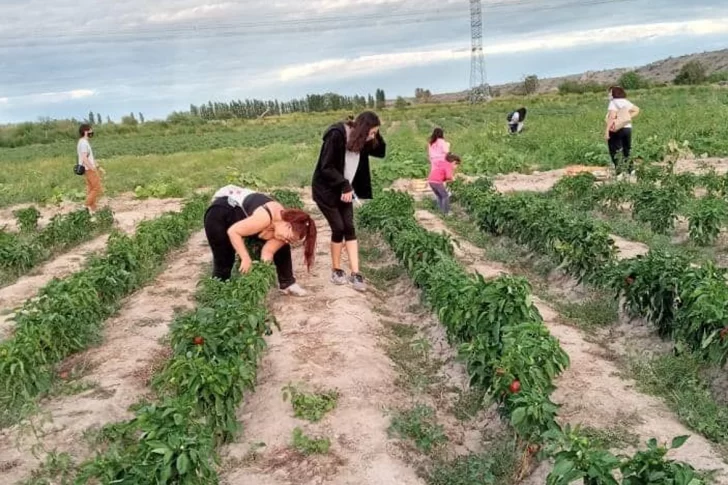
(370, 102)
(141, 117)
(530, 84)
(423, 95)
(91, 118)
(400, 103)
(98, 118)
(633, 80)
(129, 120)
(692, 72)
(108, 119)
(381, 99)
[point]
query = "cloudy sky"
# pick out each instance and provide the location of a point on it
(66, 57)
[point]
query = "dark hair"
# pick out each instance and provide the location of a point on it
(617, 92)
(452, 158)
(305, 228)
(360, 128)
(521, 113)
(437, 133)
(83, 129)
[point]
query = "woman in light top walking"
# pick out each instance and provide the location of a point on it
(438, 147)
(91, 173)
(618, 132)
(341, 176)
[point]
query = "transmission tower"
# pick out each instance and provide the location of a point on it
(479, 89)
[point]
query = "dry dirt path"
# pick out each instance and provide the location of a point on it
(127, 215)
(117, 370)
(330, 339)
(590, 391)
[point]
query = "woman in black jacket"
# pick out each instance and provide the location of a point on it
(342, 175)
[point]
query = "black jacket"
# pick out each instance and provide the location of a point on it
(328, 179)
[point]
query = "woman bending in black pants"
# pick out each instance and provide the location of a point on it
(342, 174)
(237, 213)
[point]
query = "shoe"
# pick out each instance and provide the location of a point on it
(294, 290)
(357, 281)
(338, 277)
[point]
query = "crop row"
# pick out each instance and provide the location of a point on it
(67, 316)
(22, 251)
(657, 199)
(216, 349)
(506, 347)
(685, 302)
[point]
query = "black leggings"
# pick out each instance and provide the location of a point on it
(340, 217)
(621, 140)
(223, 253)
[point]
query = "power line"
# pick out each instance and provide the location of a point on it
(276, 27)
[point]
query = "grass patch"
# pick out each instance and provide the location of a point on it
(616, 436)
(417, 371)
(310, 406)
(310, 446)
(592, 314)
(496, 465)
(58, 468)
(419, 425)
(677, 380)
(468, 403)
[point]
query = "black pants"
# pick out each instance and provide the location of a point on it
(340, 217)
(223, 253)
(621, 140)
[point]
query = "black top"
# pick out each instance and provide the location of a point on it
(233, 214)
(328, 179)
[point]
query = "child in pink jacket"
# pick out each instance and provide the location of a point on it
(438, 147)
(441, 172)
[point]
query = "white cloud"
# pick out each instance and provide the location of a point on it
(64, 95)
(4, 100)
(192, 13)
(351, 67)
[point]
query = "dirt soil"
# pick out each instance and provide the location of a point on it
(329, 340)
(116, 371)
(590, 391)
(128, 212)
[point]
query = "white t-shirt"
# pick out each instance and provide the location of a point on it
(620, 103)
(351, 161)
(515, 118)
(85, 147)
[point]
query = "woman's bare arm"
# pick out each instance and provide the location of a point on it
(250, 226)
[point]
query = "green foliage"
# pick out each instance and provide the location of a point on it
(578, 87)
(692, 72)
(657, 207)
(287, 198)
(419, 425)
(706, 218)
(310, 446)
(649, 467)
(159, 190)
(633, 80)
(310, 406)
(27, 219)
(577, 458)
(530, 84)
(68, 314)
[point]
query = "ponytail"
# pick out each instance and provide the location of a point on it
(305, 228)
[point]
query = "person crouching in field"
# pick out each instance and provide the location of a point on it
(342, 175)
(91, 168)
(237, 213)
(440, 174)
(516, 119)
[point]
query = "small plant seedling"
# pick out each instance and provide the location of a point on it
(308, 445)
(419, 425)
(310, 406)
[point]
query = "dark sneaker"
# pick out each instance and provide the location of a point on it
(338, 277)
(357, 281)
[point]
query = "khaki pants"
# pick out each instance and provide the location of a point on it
(93, 188)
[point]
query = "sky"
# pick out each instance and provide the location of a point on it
(63, 58)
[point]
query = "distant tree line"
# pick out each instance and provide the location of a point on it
(256, 108)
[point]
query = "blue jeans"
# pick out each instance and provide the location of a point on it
(443, 198)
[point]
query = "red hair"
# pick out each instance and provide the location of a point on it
(305, 228)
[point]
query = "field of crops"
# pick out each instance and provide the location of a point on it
(553, 329)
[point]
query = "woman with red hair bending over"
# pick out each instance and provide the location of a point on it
(237, 213)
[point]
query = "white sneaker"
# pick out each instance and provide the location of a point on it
(294, 290)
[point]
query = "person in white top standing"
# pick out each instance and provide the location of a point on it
(86, 158)
(619, 128)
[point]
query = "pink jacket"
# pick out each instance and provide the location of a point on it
(438, 151)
